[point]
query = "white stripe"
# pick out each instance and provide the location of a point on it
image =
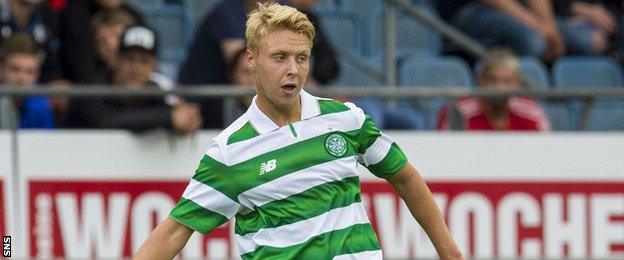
(366, 255)
(299, 181)
(282, 137)
(211, 199)
(376, 152)
(302, 231)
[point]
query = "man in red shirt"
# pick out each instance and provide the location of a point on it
(500, 72)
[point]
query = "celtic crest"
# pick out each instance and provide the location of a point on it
(336, 145)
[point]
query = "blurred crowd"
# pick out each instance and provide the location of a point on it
(66, 43)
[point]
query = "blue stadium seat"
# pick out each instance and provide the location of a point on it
(558, 112)
(352, 76)
(411, 35)
(534, 70)
(342, 28)
(325, 5)
(434, 72)
(173, 28)
(574, 72)
(197, 9)
(590, 72)
(363, 7)
(385, 115)
(141, 3)
(606, 115)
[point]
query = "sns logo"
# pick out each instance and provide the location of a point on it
(268, 166)
(6, 246)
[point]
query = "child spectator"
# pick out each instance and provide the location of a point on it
(20, 64)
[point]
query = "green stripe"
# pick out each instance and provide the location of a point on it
(244, 133)
(292, 130)
(354, 239)
(216, 175)
(196, 217)
(307, 204)
(290, 159)
(368, 134)
(391, 164)
(331, 106)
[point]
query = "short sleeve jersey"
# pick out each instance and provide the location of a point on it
(294, 190)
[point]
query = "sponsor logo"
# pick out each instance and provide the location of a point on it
(268, 166)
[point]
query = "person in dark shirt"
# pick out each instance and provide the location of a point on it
(592, 24)
(20, 66)
(78, 51)
(528, 28)
(36, 19)
(135, 69)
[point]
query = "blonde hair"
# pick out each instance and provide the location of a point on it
(500, 57)
(270, 17)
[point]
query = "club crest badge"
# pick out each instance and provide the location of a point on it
(336, 145)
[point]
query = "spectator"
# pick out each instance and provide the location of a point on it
(135, 69)
(20, 66)
(107, 27)
(500, 72)
(36, 19)
(78, 55)
(587, 25)
(528, 29)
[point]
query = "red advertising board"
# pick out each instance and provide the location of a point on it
(79, 218)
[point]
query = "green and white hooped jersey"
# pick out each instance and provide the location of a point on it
(294, 190)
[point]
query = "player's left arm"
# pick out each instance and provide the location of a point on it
(410, 186)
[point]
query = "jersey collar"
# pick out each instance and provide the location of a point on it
(263, 124)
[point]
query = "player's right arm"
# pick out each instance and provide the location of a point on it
(165, 241)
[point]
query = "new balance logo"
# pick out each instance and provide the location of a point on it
(268, 166)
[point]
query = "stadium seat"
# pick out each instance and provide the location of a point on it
(342, 28)
(590, 72)
(411, 35)
(197, 9)
(325, 5)
(574, 72)
(394, 115)
(534, 70)
(434, 72)
(173, 28)
(141, 3)
(350, 75)
(557, 111)
(606, 115)
(363, 7)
